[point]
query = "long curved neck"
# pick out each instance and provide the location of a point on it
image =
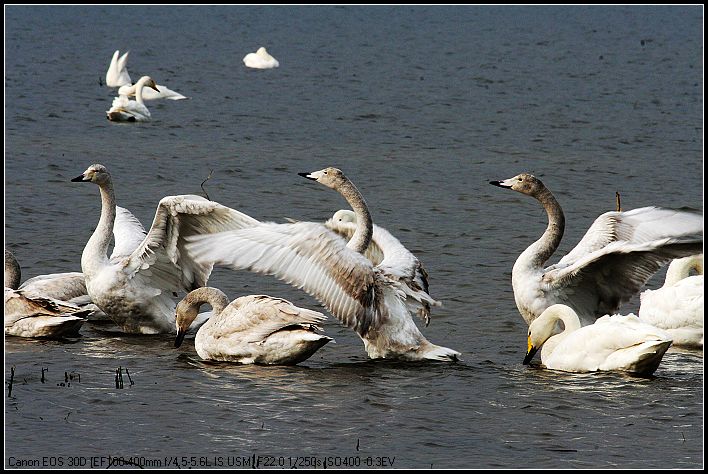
(95, 252)
(681, 268)
(139, 91)
(541, 250)
(214, 297)
(571, 322)
(364, 224)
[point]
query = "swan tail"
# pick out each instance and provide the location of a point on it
(432, 352)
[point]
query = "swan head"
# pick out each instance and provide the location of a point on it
(543, 327)
(147, 81)
(524, 183)
(344, 216)
(331, 177)
(94, 174)
(185, 313)
(262, 52)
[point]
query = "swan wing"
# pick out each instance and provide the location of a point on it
(165, 93)
(117, 75)
(161, 257)
(58, 286)
(346, 230)
(306, 255)
(128, 233)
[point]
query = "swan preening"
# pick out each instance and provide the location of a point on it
(253, 329)
(312, 257)
(40, 306)
(134, 286)
(125, 110)
(117, 77)
(260, 60)
(677, 307)
(611, 343)
(611, 263)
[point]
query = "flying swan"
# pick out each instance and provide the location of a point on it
(612, 343)
(117, 77)
(134, 287)
(677, 307)
(312, 257)
(615, 258)
(253, 329)
(260, 60)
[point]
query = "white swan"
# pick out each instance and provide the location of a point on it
(254, 329)
(133, 287)
(611, 343)
(677, 307)
(117, 77)
(260, 60)
(312, 257)
(393, 259)
(30, 313)
(125, 110)
(611, 263)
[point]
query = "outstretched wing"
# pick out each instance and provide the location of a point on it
(128, 233)
(117, 74)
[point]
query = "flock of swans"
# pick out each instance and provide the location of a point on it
(368, 280)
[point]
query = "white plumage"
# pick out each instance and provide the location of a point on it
(125, 110)
(260, 60)
(117, 77)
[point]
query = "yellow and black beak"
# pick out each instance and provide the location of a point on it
(530, 352)
(180, 337)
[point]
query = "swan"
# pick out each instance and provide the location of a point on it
(125, 110)
(117, 77)
(253, 329)
(133, 287)
(28, 313)
(611, 263)
(677, 307)
(312, 257)
(391, 257)
(260, 60)
(612, 343)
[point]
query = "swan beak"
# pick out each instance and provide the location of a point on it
(155, 87)
(180, 337)
(530, 352)
(501, 184)
(308, 176)
(78, 179)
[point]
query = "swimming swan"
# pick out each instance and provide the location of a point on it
(125, 110)
(117, 76)
(260, 60)
(254, 329)
(134, 287)
(615, 258)
(390, 256)
(611, 343)
(29, 312)
(312, 257)
(677, 307)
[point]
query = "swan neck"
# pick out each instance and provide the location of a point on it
(13, 274)
(364, 225)
(139, 92)
(681, 268)
(539, 252)
(214, 297)
(95, 252)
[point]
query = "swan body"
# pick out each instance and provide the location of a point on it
(125, 110)
(117, 77)
(615, 342)
(41, 317)
(677, 307)
(390, 256)
(310, 256)
(254, 329)
(612, 262)
(260, 60)
(133, 287)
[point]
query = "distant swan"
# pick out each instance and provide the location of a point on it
(312, 257)
(260, 60)
(390, 256)
(31, 313)
(134, 287)
(677, 307)
(125, 110)
(117, 76)
(611, 343)
(254, 329)
(611, 263)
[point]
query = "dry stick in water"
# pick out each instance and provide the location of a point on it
(128, 373)
(44, 370)
(12, 378)
(202, 185)
(618, 202)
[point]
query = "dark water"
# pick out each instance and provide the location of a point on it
(421, 107)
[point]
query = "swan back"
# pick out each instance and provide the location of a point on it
(261, 59)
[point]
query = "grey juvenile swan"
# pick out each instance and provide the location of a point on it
(134, 287)
(611, 263)
(312, 257)
(253, 329)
